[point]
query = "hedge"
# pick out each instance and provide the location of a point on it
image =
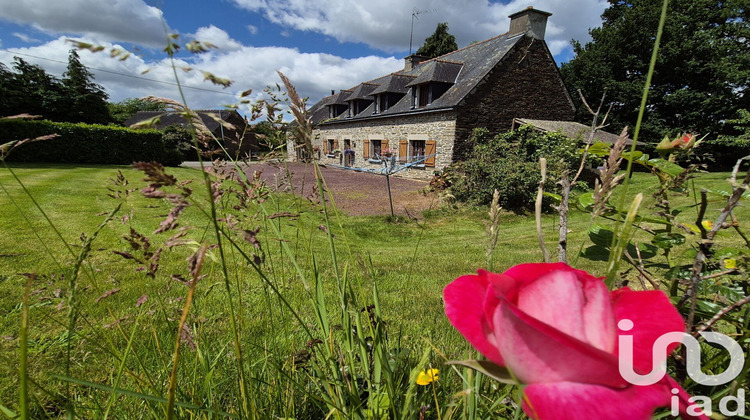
(86, 143)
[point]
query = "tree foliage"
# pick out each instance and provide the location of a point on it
(87, 100)
(123, 110)
(702, 73)
(75, 98)
(29, 89)
(439, 43)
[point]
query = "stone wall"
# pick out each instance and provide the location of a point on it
(526, 84)
(437, 126)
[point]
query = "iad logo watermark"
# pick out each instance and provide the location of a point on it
(699, 404)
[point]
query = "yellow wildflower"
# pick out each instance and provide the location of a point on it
(730, 264)
(425, 378)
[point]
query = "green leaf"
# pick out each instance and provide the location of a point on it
(379, 405)
(679, 272)
(498, 373)
(585, 201)
(598, 149)
(636, 156)
(645, 251)
(556, 198)
(7, 412)
(600, 235)
(729, 253)
(668, 240)
(596, 253)
(670, 168)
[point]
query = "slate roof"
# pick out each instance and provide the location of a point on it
(437, 71)
(465, 68)
(569, 128)
(393, 83)
(362, 91)
(340, 98)
(174, 118)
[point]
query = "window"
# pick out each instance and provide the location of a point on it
(331, 146)
(335, 110)
(373, 149)
(356, 106)
(381, 103)
(422, 152)
(417, 151)
(376, 147)
(420, 96)
(424, 96)
(348, 153)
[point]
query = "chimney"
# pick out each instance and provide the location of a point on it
(411, 61)
(529, 21)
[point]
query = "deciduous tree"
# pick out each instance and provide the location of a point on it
(702, 73)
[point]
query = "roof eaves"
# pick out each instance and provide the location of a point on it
(420, 111)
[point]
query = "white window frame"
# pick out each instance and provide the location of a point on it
(410, 148)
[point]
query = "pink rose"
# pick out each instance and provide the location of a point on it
(555, 329)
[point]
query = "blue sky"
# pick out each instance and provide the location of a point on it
(321, 46)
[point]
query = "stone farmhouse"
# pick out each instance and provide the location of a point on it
(425, 113)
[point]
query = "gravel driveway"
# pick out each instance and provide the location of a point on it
(355, 193)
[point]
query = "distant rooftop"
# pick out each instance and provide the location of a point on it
(569, 128)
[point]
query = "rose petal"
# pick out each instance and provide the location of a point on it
(574, 401)
(536, 352)
(652, 315)
(599, 317)
(464, 299)
(557, 300)
(513, 279)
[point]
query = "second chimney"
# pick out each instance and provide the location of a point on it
(413, 60)
(529, 21)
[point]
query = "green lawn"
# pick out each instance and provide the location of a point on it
(409, 262)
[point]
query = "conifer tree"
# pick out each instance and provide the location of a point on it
(88, 100)
(439, 43)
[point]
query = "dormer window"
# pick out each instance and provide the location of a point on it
(356, 106)
(421, 96)
(334, 111)
(384, 101)
(425, 97)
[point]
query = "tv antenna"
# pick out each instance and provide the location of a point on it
(415, 14)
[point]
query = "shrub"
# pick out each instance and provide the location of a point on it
(509, 162)
(180, 139)
(85, 143)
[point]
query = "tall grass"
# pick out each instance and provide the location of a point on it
(232, 300)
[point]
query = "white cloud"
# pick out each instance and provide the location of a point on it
(252, 29)
(386, 24)
(24, 37)
(217, 37)
(118, 21)
(314, 75)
